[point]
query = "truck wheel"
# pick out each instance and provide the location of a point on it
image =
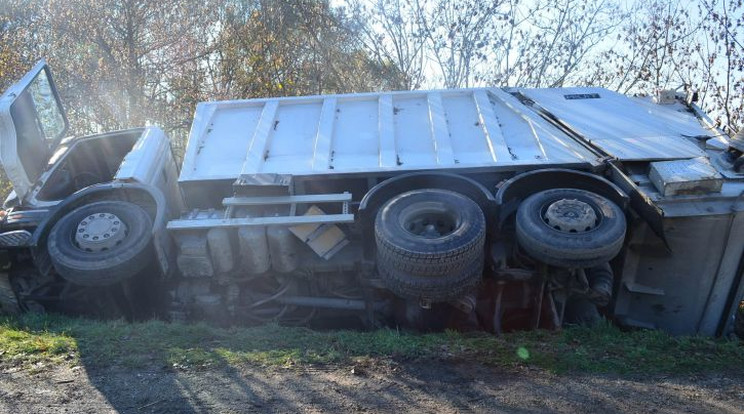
(430, 244)
(570, 228)
(101, 243)
(434, 289)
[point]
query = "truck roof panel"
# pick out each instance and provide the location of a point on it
(373, 132)
(627, 128)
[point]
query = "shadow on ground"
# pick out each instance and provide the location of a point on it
(421, 386)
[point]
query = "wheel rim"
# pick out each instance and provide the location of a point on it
(100, 232)
(429, 220)
(571, 216)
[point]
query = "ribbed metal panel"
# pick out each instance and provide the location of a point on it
(259, 140)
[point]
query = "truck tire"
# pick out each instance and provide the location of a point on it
(102, 243)
(430, 244)
(434, 289)
(570, 228)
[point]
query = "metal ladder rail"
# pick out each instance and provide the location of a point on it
(289, 220)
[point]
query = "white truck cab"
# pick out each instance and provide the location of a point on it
(55, 175)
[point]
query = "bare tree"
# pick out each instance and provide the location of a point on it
(469, 42)
(392, 32)
(723, 21)
(652, 49)
(461, 35)
(556, 38)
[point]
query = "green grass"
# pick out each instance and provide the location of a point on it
(33, 339)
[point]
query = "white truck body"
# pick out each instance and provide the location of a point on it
(445, 129)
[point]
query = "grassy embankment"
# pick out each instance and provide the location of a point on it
(36, 340)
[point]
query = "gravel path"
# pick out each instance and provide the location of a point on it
(429, 386)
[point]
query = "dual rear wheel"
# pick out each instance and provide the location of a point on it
(431, 242)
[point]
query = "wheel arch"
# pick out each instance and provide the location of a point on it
(384, 191)
(516, 189)
(577, 248)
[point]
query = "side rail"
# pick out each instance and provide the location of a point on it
(198, 220)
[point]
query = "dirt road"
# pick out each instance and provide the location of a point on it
(373, 386)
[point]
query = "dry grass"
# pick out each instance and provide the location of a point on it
(32, 339)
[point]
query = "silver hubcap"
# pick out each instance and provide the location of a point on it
(99, 232)
(572, 216)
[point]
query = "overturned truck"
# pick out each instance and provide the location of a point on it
(487, 208)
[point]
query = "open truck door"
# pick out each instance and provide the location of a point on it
(32, 123)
